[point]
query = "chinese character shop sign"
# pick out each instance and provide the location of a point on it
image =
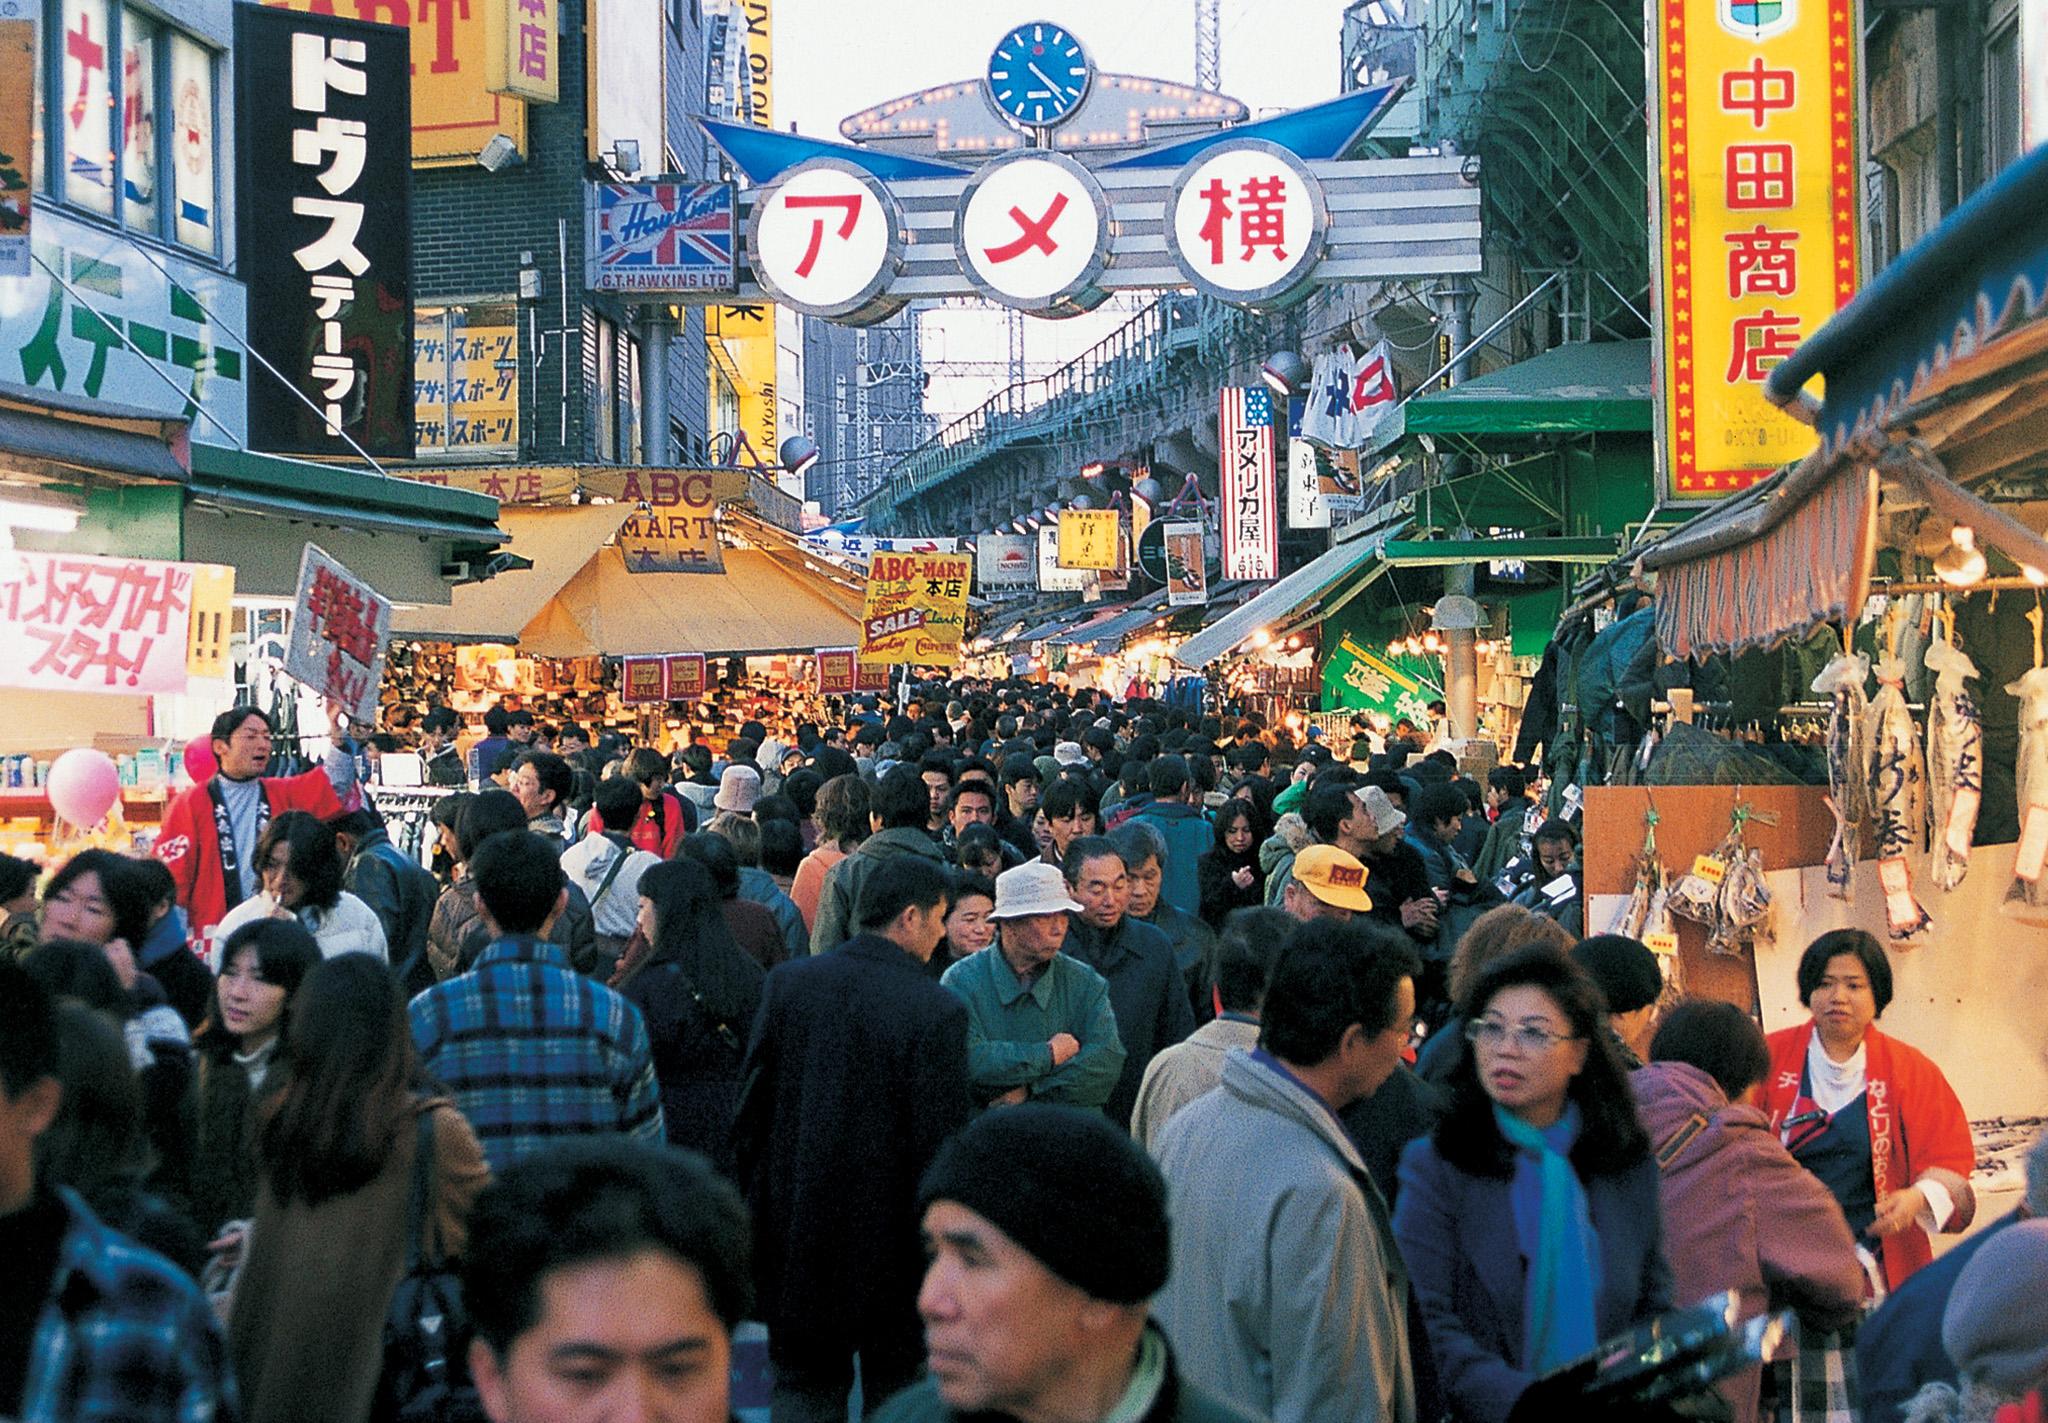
(76, 624)
(1757, 219)
(1032, 233)
(828, 240)
(323, 109)
(1251, 532)
(1247, 223)
(520, 53)
(916, 608)
(340, 629)
(663, 236)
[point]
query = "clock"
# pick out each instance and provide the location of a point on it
(1038, 75)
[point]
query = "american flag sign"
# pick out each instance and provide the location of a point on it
(660, 237)
(1251, 533)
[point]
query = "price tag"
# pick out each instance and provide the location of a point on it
(1901, 909)
(1962, 821)
(2033, 849)
(1665, 943)
(1573, 796)
(1708, 868)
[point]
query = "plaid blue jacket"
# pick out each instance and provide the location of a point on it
(533, 1051)
(126, 1334)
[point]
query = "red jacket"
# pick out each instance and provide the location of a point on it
(190, 844)
(1917, 1126)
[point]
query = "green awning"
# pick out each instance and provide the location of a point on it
(1598, 387)
(1424, 553)
(339, 495)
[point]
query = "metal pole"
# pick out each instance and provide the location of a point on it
(654, 436)
(1455, 300)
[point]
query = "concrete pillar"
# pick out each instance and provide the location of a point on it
(655, 445)
(1461, 659)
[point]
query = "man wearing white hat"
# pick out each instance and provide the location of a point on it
(1039, 1023)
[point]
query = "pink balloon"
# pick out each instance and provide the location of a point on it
(200, 763)
(84, 785)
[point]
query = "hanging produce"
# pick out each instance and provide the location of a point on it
(1841, 682)
(2027, 899)
(1955, 762)
(1898, 792)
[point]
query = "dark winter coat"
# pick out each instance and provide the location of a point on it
(401, 892)
(841, 896)
(1146, 992)
(697, 1066)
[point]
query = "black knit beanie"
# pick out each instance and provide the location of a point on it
(1626, 971)
(1075, 1193)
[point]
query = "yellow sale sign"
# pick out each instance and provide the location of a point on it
(1757, 222)
(916, 609)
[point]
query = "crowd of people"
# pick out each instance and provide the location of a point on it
(1008, 1053)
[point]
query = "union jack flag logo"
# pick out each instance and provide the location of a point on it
(662, 236)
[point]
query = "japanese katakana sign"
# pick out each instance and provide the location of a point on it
(1089, 538)
(340, 629)
(827, 240)
(835, 671)
(17, 144)
(1756, 212)
(1251, 532)
(1247, 222)
(323, 108)
(465, 380)
(916, 609)
(1032, 229)
(660, 236)
(521, 49)
(76, 624)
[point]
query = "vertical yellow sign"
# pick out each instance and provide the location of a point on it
(213, 618)
(522, 53)
(1757, 222)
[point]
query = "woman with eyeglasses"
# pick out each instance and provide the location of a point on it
(1529, 1219)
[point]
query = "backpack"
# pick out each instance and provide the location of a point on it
(426, 1329)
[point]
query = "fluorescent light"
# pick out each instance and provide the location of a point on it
(41, 518)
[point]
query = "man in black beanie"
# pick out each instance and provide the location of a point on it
(1631, 981)
(1047, 1233)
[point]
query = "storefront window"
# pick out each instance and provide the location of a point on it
(196, 220)
(88, 107)
(139, 37)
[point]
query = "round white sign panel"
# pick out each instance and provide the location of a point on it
(824, 239)
(1032, 229)
(1248, 221)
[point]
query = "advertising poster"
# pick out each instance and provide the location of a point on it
(1004, 561)
(340, 628)
(70, 623)
(1187, 573)
(465, 380)
(916, 609)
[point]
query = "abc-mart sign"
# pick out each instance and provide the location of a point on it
(1244, 221)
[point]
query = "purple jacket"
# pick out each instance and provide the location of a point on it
(1740, 1213)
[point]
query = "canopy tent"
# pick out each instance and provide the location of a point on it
(1355, 560)
(1936, 379)
(579, 600)
(1586, 387)
(1105, 634)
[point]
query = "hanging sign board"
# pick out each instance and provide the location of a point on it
(1051, 577)
(835, 671)
(1088, 538)
(871, 677)
(916, 609)
(642, 679)
(1349, 395)
(685, 676)
(1187, 574)
(662, 235)
(1251, 535)
(340, 629)
(1004, 561)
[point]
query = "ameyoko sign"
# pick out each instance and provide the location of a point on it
(1031, 234)
(828, 240)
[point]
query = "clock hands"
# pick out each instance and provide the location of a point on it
(1054, 89)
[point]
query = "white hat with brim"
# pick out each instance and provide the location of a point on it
(1028, 890)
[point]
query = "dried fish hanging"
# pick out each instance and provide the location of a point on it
(1725, 890)
(1841, 682)
(2027, 899)
(1898, 794)
(1646, 915)
(1955, 758)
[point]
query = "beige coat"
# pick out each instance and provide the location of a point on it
(307, 1328)
(1184, 1072)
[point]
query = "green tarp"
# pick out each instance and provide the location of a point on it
(1595, 387)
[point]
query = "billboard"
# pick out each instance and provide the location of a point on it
(916, 609)
(322, 108)
(1251, 531)
(661, 235)
(1004, 561)
(465, 380)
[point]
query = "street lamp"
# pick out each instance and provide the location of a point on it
(1286, 373)
(799, 453)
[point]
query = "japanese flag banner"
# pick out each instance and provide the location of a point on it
(341, 627)
(1251, 532)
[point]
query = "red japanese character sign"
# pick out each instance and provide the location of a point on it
(340, 629)
(1247, 222)
(827, 239)
(1031, 231)
(77, 624)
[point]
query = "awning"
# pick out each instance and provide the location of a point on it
(1138, 617)
(560, 541)
(145, 450)
(1059, 621)
(1587, 387)
(1943, 360)
(335, 494)
(1296, 591)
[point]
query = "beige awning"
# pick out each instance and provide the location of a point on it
(560, 541)
(758, 605)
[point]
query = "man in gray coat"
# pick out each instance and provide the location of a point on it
(1287, 1296)
(901, 802)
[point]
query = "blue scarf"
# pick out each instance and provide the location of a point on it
(1555, 1231)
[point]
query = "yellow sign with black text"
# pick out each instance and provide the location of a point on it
(916, 609)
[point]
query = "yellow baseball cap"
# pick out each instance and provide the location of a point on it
(1334, 876)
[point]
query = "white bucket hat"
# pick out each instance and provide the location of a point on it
(1036, 888)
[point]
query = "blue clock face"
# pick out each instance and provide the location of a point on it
(1038, 74)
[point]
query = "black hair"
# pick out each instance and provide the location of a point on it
(1611, 1137)
(601, 1199)
(1169, 775)
(647, 766)
(899, 883)
(1063, 798)
(17, 877)
(1508, 780)
(801, 786)
(1083, 848)
(1719, 1039)
(358, 822)
(1854, 943)
(1241, 963)
(1438, 802)
(312, 854)
(70, 968)
(965, 884)
(447, 811)
(490, 812)
(690, 931)
(936, 761)
(843, 809)
(968, 788)
(440, 719)
(618, 801)
(777, 807)
(522, 717)
(1020, 768)
(518, 877)
(901, 799)
(285, 954)
(553, 773)
(1326, 808)
(497, 721)
(28, 1029)
(1240, 808)
(127, 894)
(716, 854)
(1328, 977)
(782, 846)
(1555, 832)
(97, 1139)
(977, 842)
(230, 721)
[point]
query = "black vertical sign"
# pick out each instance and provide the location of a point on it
(324, 132)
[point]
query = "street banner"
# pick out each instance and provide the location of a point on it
(642, 680)
(1755, 214)
(1051, 577)
(674, 524)
(522, 56)
(870, 677)
(1306, 506)
(70, 623)
(17, 142)
(1088, 538)
(916, 609)
(659, 235)
(1251, 535)
(340, 629)
(1003, 561)
(1349, 395)
(1360, 679)
(322, 110)
(835, 671)
(685, 676)
(1187, 573)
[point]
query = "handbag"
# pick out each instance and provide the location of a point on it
(426, 1329)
